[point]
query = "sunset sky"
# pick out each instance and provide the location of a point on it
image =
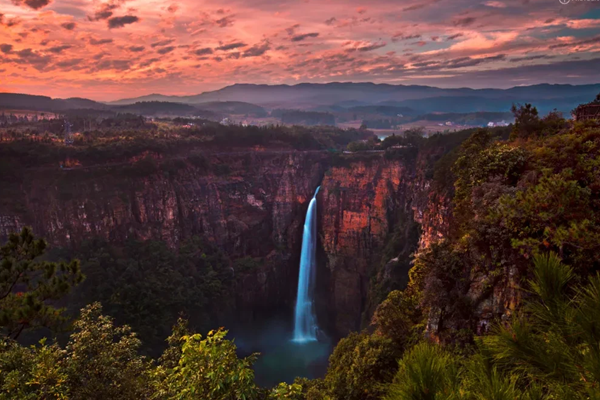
(107, 50)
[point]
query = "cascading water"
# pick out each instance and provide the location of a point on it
(305, 327)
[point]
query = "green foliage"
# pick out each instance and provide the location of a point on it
(147, 285)
(116, 141)
(28, 284)
(483, 380)
(360, 145)
(464, 166)
(102, 361)
(360, 367)
(426, 372)
(549, 350)
(443, 176)
(443, 284)
(207, 369)
(527, 121)
(99, 362)
(247, 264)
(392, 273)
(528, 124)
(396, 317)
(556, 344)
(284, 391)
(393, 140)
(480, 162)
(31, 373)
(554, 213)
(414, 136)
(512, 200)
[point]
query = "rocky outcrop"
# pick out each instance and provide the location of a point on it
(368, 209)
(358, 206)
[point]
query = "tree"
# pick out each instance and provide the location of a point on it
(527, 121)
(102, 360)
(360, 367)
(208, 368)
(426, 372)
(395, 317)
(284, 391)
(359, 145)
(555, 342)
(414, 136)
(146, 285)
(28, 284)
(31, 373)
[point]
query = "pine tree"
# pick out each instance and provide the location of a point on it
(28, 285)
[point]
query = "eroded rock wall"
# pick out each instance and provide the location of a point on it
(254, 207)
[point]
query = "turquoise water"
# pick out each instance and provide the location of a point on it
(288, 360)
(281, 358)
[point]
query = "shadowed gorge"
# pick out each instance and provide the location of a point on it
(249, 204)
(231, 221)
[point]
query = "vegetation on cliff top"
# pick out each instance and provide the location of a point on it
(129, 137)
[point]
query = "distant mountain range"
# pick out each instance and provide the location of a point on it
(420, 98)
(211, 110)
(340, 96)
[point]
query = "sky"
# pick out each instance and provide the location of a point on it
(106, 50)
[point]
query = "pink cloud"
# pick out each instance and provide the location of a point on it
(271, 41)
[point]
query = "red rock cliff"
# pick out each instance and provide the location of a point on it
(254, 207)
(361, 205)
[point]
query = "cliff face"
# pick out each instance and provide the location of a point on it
(369, 212)
(254, 208)
(373, 213)
(358, 208)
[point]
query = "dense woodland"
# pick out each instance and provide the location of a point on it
(127, 136)
(525, 213)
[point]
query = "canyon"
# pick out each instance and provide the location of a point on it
(374, 212)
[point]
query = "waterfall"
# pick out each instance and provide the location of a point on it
(305, 327)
